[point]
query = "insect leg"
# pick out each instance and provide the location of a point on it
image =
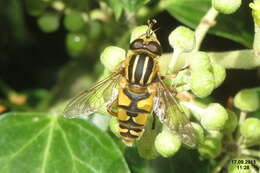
(169, 76)
(174, 75)
(109, 108)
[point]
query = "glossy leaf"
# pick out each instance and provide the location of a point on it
(237, 27)
(44, 143)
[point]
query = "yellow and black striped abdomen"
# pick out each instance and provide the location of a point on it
(133, 110)
(140, 69)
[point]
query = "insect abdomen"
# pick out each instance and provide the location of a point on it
(131, 130)
(140, 69)
(133, 110)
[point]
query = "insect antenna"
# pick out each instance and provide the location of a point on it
(149, 31)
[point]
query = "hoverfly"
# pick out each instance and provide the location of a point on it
(136, 89)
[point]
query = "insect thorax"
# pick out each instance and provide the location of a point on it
(141, 69)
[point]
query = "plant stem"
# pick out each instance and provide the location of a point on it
(173, 60)
(253, 153)
(206, 22)
(237, 59)
(221, 164)
(256, 44)
(242, 118)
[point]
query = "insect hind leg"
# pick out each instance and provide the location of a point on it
(109, 108)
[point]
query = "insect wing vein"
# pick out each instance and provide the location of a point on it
(171, 114)
(89, 101)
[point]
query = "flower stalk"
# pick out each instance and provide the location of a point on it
(206, 22)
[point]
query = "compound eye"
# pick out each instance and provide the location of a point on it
(154, 47)
(137, 44)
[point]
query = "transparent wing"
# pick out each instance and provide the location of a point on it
(89, 101)
(170, 113)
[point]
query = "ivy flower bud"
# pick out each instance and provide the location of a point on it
(182, 39)
(215, 134)
(256, 12)
(114, 126)
(247, 100)
(202, 82)
(231, 123)
(199, 132)
(226, 7)
(250, 129)
(74, 21)
(199, 60)
(76, 42)
(35, 8)
(49, 22)
(112, 56)
(215, 117)
(167, 143)
(138, 31)
(210, 148)
(219, 73)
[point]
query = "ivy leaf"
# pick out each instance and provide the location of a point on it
(44, 143)
(237, 27)
(117, 7)
(133, 5)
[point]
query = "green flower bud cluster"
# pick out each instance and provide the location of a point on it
(214, 119)
(256, 12)
(226, 7)
(75, 22)
(205, 75)
(76, 40)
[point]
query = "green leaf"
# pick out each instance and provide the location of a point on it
(44, 143)
(235, 27)
(133, 5)
(117, 7)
